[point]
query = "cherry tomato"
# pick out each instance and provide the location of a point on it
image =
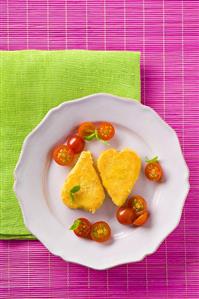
(153, 170)
(82, 228)
(105, 131)
(86, 129)
(100, 231)
(125, 215)
(76, 143)
(63, 155)
(138, 204)
(141, 219)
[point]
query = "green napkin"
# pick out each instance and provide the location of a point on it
(32, 82)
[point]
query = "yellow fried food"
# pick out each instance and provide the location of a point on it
(119, 171)
(91, 194)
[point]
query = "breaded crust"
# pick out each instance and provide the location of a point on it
(91, 195)
(119, 171)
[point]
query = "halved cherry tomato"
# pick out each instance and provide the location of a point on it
(86, 129)
(125, 215)
(138, 204)
(105, 131)
(100, 231)
(63, 155)
(76, 143)
(153, 170)
(82, 228)
(141, 219)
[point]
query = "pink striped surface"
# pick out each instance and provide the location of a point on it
(166, 32)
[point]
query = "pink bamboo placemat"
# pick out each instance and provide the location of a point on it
(166, 32)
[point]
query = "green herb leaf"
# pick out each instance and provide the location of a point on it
(105, 142)
(74, 190)
(96, 135)
(72, 197)
(90, 137)
(75, 224)
(155, 159)
(98, 138)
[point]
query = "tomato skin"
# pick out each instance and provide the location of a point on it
(84, 228)
(63, 155)
(153, 171)
(75, 143)
(125, 215)
(100, 231)
(141, 219)
(86, 129)
(105, 131)
(138, 204)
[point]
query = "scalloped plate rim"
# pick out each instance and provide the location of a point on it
(19, 168)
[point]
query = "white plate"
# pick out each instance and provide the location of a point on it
(38, 181)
